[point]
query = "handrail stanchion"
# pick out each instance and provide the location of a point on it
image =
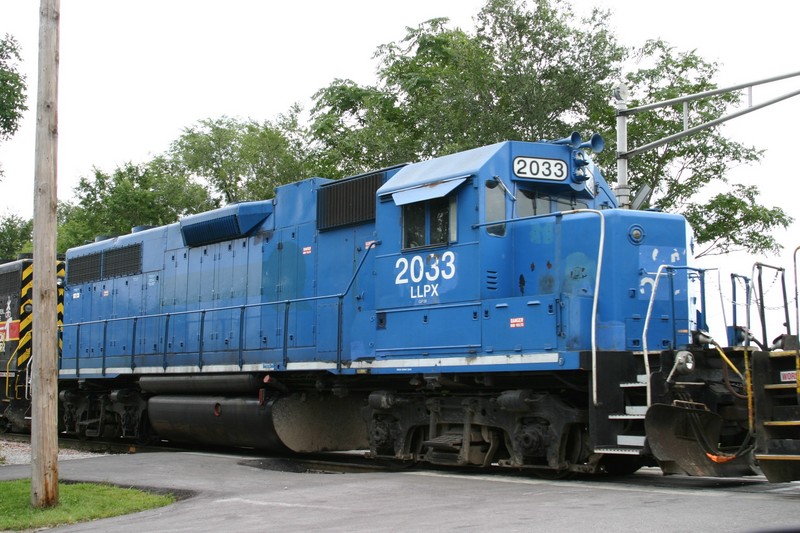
(286, 334)
(105, 346)
(78, 352)
(241, 337)
(200, 343)
(166, 341)
(133, 343)
(339, 332)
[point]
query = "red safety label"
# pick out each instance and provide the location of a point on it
(9, 331)
(517, 322)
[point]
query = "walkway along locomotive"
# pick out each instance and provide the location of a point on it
(487, 307)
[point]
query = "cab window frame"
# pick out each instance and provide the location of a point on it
(429, 223)
(495, 207)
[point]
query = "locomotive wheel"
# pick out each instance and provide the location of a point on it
(574, 449)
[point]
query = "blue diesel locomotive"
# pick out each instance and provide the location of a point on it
(493, 306)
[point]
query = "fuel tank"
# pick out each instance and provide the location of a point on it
(299, 423)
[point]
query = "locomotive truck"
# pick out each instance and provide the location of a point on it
(489, 307)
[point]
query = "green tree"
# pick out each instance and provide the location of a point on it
(243, 160)
(154, 193)
(680, 173)
(15, 235)
(522, 75)
(533, 73)
(12, 89)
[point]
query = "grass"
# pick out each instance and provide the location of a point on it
(78, 502)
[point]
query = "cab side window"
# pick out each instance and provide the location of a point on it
(495, 207)
(429, 223)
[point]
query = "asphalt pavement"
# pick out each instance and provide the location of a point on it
(220, 493)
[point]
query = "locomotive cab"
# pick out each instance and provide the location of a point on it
(490, 271)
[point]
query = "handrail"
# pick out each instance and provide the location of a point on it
(8, 370)
(796, 308)
(28, 377)
(10, 359)
(202, 312)
(746, 281)
(659, 273)
(761, 306)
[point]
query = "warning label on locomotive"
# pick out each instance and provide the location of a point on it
(516, 322)
(306, 250)
(788, 376)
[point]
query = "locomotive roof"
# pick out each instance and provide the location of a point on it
(433, 171)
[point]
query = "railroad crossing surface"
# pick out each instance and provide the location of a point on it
(220, 492)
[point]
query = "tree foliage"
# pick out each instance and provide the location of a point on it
(243, 160)
(522, 75)
(735, 221)
(530, 71)
(681, 173)
(12, 89)
(15, 235)
(155, 193)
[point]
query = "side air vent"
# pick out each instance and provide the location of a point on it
(349, 201)
(491, 280)
(207, 232)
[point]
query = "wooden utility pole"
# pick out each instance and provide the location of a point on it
(44, 385)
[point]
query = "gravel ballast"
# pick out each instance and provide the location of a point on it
(19, 453)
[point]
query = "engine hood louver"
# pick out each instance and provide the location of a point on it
(229, 222)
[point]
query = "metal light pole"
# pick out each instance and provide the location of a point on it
(623, 190)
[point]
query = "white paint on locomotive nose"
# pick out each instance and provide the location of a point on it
(646, 281)
(655, 254)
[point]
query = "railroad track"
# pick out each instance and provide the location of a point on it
(316, 463)
(357, 463)
(96, 446)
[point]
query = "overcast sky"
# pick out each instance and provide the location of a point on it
(133, 74)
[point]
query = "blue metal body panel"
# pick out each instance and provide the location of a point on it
(272, 292)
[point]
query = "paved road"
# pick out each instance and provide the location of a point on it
(232, 493)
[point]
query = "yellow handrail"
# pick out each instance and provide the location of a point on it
(747, 379)
(12, 358)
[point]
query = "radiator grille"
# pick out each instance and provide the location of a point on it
(84, 269)
(350, 201)
(111, 263)
(124, 261)
(10, 283)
